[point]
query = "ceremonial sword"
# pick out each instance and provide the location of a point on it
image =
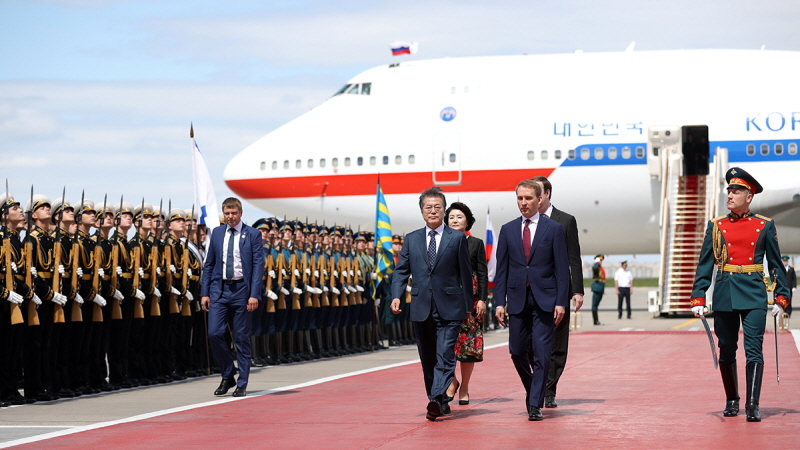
(710, 340)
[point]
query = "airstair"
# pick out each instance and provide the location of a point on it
(689, 198)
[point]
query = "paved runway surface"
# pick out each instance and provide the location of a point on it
(621, 389)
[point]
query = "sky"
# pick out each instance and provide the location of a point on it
(98, 95)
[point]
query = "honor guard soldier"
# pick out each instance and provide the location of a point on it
(104, 223)
(38, 352)
(180, 315)
(365, 270)
(145, 279)
(324, 264)
(90, 344)
(163, 349)
(259, 339)
(737, 244)
(65, 347)
(197, 362)
(15, 299)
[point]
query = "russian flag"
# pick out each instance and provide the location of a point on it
(403, 48)
(204, 198)
(491, 251)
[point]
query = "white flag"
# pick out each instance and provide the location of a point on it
(204, 198)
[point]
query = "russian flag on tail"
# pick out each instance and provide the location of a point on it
(403, 48)
(491, 251)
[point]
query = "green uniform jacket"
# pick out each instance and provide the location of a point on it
(748, 240)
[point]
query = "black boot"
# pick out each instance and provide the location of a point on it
(754, 372)
(731, 383)
(596, 320)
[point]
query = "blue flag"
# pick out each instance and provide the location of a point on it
(383, 237)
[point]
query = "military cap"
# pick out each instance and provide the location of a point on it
(39, 200)
(313, 228)
(262, 224)
(123, 208)
(361, 236)
(7, 202)
(177, 214)
(322, 230)
(109, 209)
(57, 207)
(141, 211)
(397, 239)
(337, 230)
(348, 231)
(287, 225)
(599, 256)
(736, 177)
(304, 227)
(84, 207)
(785, 257)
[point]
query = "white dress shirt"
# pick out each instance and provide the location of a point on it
(237, 257)
(534, 223)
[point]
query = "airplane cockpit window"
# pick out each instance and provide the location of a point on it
(557, 154)
(322, 162)
(640, 152)
(286, 164)
(751, 149)
(544, 154)
(412, 158)
(585, 153)
(398, 159)
(571, 154)
(263, 165)
(531, 155)
(353, 90)
(598, 153)
(385, 160)
(612, 153)
(335, 162)
(310, 163)
(452, 157)
(274, 165)
(778, 149)
(626, 153)
(366, 88)
(765, 149)
(342, 90)
(347, 161)
(360, 161)
(792, 148)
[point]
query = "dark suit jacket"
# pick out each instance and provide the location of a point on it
(547, 270)
(252, 262)
(573, 250)
(477, 260)
(448, 283)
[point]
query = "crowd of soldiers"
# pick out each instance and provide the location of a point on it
(85, 310)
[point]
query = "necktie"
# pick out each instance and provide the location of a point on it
(229, 257)
(432, 248)
(526, 239)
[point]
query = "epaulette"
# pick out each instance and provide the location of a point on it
(37, 232)
(763, 217)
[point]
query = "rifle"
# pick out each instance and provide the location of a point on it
(16, 312)
(307, 294)
(185, 310)
(33, 315)
(315, 303)
(58, 310)
(116, 306)
(168, 262)
(331, 267)
(322, 266)
(138, 308)
(281, 268)
(357, 297)
(155, 307)
(269, 265)
(97, 263)
(293, 265)
(74, 254)
(343, 280)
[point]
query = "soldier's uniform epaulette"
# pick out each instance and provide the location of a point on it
(93, 238)
(38, 232)
(763, 217)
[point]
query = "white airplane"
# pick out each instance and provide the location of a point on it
(476, 126)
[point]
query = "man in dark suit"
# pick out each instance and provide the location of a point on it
(232, 284)
(532, 279)
(558, 359)
(791, 282)
(437, 259)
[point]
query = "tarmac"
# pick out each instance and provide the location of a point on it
(619, 373)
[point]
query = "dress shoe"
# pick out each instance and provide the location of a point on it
(731, 408)
(534, 413)
(45, 396)
(30, 400)
(4, 404)
(448, 397)
(239, 392)
(550, 401)
(445, 409)
(15, 399)
(66, 393)
(434, 410)
(225, 386)
(106, 387)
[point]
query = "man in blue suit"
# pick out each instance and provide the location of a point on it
(532, 280)
(232, 284)
(437, 259)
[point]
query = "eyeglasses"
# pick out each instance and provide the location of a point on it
(430, 208)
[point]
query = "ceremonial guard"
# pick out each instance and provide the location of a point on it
(146, 312)
(109, 292)
(198, 330)
(366, 288)
(737, 244)
(162, 347)
(176, 262)
(598, 286)
(259, 339)
(15, 298)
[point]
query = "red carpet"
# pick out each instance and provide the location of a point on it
(620, 390)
